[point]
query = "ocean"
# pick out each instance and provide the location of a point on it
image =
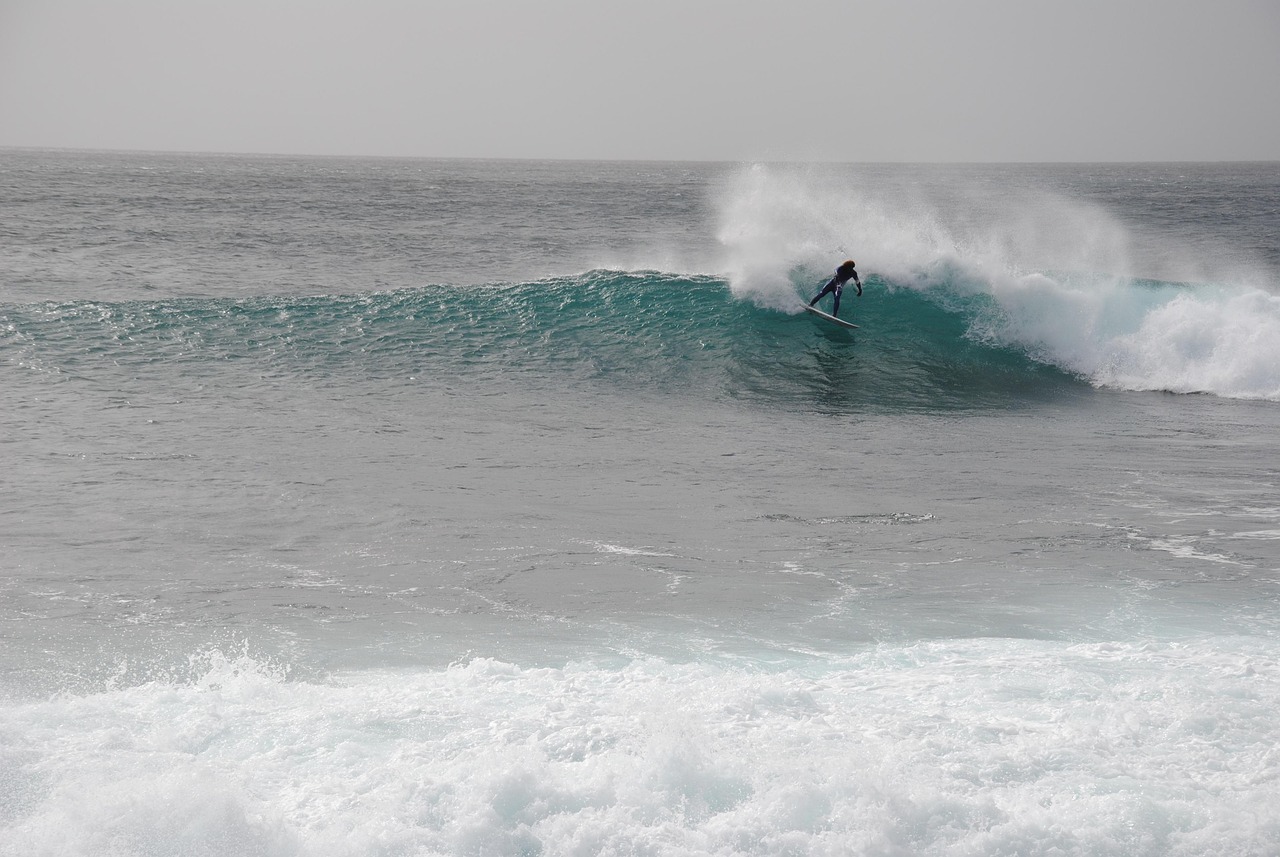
(413, 507)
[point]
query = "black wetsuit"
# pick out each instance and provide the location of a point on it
(844, 274)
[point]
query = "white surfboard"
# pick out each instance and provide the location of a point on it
(829, 317)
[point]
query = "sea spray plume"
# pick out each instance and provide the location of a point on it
(779, 219)
(768, 228)
(1054, 277)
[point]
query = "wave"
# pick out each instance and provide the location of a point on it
(1062, 281)
(939, 337)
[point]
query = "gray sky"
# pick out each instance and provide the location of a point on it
(860, 80)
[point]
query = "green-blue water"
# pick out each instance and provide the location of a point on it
(685, 335)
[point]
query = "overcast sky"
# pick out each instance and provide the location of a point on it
(860, 80)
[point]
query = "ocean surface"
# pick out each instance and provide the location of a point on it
(410, 507)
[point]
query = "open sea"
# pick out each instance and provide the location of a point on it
(411, 507)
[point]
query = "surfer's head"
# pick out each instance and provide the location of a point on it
(849, 263)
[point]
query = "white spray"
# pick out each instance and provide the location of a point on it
(1073, 285)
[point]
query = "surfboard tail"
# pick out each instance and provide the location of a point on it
(830, 317)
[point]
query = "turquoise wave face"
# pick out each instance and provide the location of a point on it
(630, 331)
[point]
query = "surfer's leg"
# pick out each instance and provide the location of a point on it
(835, 307)
(830, 287)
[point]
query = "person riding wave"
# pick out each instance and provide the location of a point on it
(844, 274)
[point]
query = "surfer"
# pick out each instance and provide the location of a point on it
(844, 274)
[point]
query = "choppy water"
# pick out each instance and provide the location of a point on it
(412, 507)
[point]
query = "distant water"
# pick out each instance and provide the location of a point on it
(399, 507)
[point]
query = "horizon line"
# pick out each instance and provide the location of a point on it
(600, 160)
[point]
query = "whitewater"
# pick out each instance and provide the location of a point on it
(405, 507)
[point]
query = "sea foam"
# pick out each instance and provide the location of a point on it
(981, 746)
